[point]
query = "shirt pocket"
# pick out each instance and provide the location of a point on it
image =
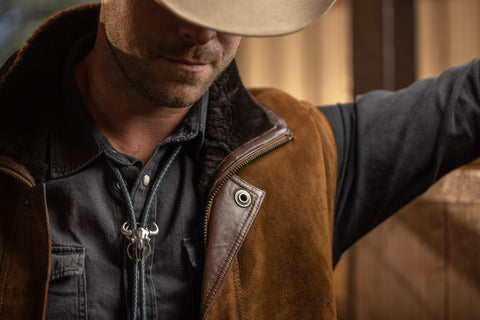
(67, 294)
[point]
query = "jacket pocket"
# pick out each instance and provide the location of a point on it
(67, 295)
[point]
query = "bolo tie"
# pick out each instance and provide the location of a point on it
(139, 236)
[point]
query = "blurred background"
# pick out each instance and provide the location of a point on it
(19, 18)
(424, 263)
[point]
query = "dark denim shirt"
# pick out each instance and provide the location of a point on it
(86, 210)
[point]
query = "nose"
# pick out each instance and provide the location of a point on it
(196, 34)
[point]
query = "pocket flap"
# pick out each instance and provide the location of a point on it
(67, 261)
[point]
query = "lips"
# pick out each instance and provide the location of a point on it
(189, 62)
(188, 65)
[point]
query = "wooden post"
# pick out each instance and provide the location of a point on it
(383, 44)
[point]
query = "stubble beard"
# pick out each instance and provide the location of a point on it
(174, 90)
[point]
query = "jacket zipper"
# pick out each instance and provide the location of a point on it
(16, 176)
(231, 173)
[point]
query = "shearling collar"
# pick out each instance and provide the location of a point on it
(30, 91)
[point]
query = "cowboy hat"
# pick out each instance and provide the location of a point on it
(250, 17)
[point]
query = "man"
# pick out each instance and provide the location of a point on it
(140, 179)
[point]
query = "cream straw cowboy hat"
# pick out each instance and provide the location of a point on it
(250, 17)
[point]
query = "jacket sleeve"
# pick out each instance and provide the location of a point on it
(393, 145)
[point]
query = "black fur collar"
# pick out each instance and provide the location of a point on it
(30, 89)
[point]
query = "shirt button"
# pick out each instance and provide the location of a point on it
(146, 180)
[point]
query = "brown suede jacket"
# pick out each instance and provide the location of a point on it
(268, 258)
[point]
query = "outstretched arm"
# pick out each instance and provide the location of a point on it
(393, 145)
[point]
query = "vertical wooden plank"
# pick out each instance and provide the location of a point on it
(383, 44)
(341, 287)
(464, 261)
(432, 49)
(404, 42)
(463, 31)
(334, 82)
(448, 33)
(367, 45)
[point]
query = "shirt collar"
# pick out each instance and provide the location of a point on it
(76, 140)
(191, 130)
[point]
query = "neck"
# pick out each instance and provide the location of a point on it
(133, 124)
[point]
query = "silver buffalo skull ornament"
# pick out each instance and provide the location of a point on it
(139, 240)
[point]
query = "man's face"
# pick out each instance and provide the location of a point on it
(167, 59)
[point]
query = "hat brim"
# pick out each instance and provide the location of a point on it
(260, 18)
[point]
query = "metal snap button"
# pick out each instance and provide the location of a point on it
(243, 198)
(146, 180)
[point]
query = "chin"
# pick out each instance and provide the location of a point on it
(178, 98)
(174, 90)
